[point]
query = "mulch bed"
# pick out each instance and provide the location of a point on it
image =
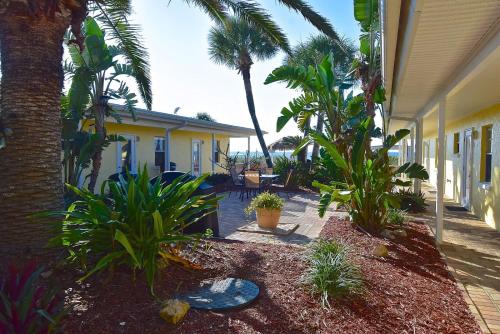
(408, 292)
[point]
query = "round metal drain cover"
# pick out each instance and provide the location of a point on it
(223, 294)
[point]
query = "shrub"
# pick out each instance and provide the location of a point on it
(265, 200)
(330, 273)
(411, 201)
(26, 306)
(134, 224)
(396, 217)
(218, 178)
(301, 176)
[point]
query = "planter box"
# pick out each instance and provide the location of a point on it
(268, 218)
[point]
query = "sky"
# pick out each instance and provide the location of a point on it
(183, 75)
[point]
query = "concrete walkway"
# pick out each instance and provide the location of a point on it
(300, 208)
(472, 251)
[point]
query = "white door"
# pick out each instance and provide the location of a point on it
(467, 169)
(126, 155)
(196, 158)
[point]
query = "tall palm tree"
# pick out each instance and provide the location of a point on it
(311, 53)
(236, 44)
(31, 38)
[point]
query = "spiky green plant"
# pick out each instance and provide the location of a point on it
(331, 274)
(132, 224)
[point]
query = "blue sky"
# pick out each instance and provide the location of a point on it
(183, 75)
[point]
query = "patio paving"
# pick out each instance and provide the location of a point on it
(300, 208)
(472, 250)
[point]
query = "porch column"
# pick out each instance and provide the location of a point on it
(412, 143)
(417, 184)
(167, 149)
(440, 171)
(213, 153)
(248, 153)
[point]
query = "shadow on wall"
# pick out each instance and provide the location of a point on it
(491, 204)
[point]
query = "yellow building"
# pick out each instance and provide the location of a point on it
(441, 70)
(160, 139)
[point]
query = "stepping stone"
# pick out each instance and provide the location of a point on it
(223, 294)
(283, 229)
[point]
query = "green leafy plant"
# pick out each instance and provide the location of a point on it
(331, 274)
(135, 223)
(411, 201)
(26, 305)
(265, 200)
(367, 191)
(97, 78)
(396, 217)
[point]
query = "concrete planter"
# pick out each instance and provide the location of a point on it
(268, 218)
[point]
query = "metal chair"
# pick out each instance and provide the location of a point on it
(252, 183)
(237, 184)
(285, 187)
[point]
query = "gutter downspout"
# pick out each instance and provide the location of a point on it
(168, 140)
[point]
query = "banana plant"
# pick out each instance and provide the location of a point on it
(322, 93)
(97, 75)
(367, 191)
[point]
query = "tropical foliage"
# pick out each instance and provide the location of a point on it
(205, 117)
(331, 274)
(135, 224)
(367, 180)
(96, 75)
(27, 306)
(411, 201)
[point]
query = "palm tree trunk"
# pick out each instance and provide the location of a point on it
(30, 164)
(319, 129)
(251, 109)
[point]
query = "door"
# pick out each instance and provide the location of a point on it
(467, 169)
(196, 158)
(126, 155)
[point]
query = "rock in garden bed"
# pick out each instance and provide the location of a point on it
(409, 291)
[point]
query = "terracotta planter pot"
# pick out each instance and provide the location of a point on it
(268, 218)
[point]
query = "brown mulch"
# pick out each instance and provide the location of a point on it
(408, 292)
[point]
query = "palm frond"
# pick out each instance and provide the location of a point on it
(214, 8)
(320, 22)
(255, 15)
(238, 41)
(128, 37)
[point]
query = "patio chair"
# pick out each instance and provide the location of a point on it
(285, 187)
(252, 183)
(237, 183)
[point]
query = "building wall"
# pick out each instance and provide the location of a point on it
(485, 198)
(145, 152)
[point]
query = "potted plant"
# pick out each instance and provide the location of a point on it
(268, 208)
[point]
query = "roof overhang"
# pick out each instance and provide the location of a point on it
(170, 121)
(445, 50)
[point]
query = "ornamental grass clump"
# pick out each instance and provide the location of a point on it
(331, 274)
(266, 200)
(396, 217)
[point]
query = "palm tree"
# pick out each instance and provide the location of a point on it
(236, 44)
(311, 53)
(31, 39)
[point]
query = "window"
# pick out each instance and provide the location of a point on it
(216, 153)
(159, 143)
(486, 156)
(456, 142)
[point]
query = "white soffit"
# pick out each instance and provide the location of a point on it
(445, 38)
